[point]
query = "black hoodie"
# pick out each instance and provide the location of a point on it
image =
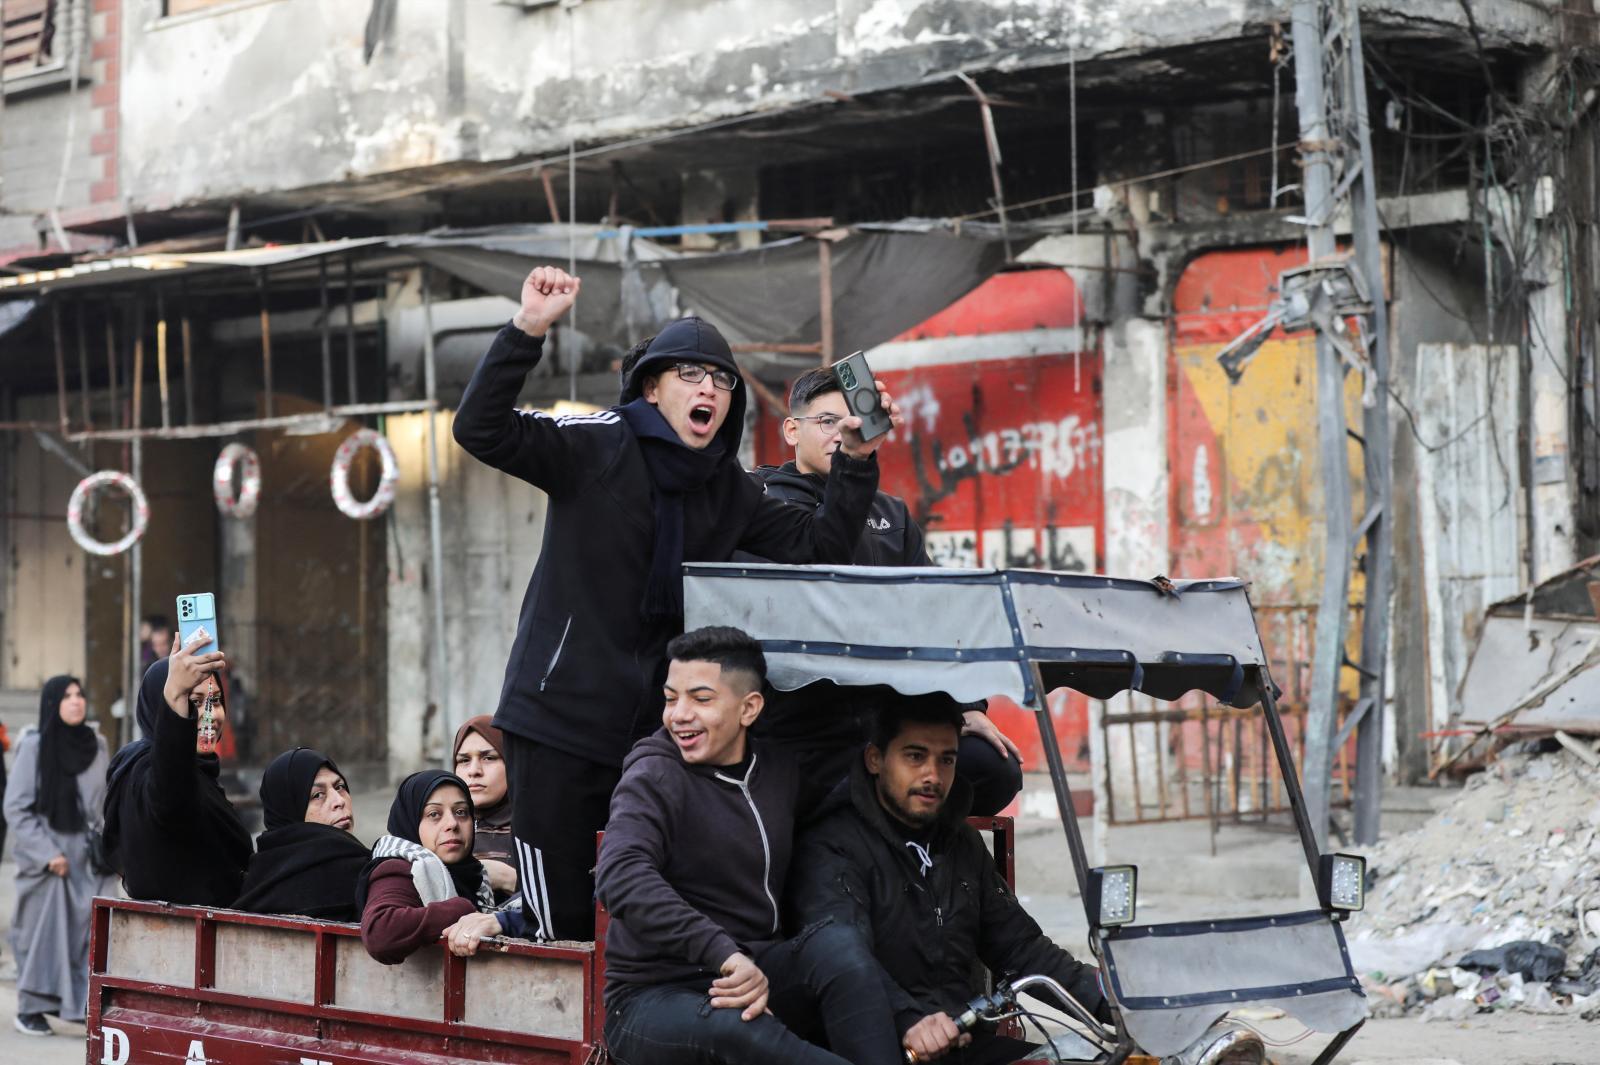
(891, 538)
(586, 668)
(926, 928)
(693, 862)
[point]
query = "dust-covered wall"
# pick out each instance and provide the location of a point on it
(275, 96)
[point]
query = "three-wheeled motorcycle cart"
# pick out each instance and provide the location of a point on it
(183, 984)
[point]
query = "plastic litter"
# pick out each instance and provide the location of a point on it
(1494, 904)
(1534, 961)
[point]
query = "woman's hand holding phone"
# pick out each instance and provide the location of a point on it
(186, 671)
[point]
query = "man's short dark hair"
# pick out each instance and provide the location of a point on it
(735, 650)
(157, 621)
(808, 386)
(897, 711)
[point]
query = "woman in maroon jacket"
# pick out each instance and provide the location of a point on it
(423, 877)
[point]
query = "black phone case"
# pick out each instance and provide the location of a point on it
(860, 390)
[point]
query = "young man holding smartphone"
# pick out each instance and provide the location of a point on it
(823, 723)
(634, 492)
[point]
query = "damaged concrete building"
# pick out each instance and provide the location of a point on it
(1128, 167)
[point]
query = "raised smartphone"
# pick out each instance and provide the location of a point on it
(197, 612)
(861, 395)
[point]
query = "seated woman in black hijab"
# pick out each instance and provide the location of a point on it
(306, 862)
(423, 879)
(173, 832)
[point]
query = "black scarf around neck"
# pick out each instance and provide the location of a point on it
(676, 469)
(65, 751)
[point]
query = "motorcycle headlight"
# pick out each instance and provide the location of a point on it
(1342, 881)
(1113, 894)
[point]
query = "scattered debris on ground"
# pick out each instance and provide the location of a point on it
(1493, 904)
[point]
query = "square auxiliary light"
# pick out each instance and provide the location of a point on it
(1342, 881)
(1113, 894)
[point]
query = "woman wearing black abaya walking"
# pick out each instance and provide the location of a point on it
(52, 802)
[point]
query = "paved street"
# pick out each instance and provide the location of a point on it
(1044, 882)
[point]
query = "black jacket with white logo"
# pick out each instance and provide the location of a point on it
(891, 537)
(586, 667)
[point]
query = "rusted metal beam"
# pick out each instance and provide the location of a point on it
(136, 413)
(763, 393)
(350, 329)
(777, 349)
(266, 343)
(83, 369)
(61, 364)
(825, 277)
(185, 333)
(326, 335)
(283, 421)
(161, 360)
(550, 200)
(111, 363)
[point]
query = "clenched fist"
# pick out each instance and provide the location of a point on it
(547, 294)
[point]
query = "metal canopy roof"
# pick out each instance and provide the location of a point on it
(137, 268)
(978, 632)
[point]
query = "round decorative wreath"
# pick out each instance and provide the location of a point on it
(85, 491)
(237, 454)
(339, 475)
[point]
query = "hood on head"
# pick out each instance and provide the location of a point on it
(691, 339)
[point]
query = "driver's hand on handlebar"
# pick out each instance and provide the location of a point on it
(742, 986)
(934, 1036)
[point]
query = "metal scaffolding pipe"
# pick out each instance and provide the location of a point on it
(282, 421)
(61, 364)
(441, 685)
(161, 360)
(266, 343)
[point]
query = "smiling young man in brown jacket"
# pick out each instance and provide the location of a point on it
(692, 869)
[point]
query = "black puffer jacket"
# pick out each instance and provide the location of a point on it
(693, 862)
(891, 538)
(586, 668)
(926, 931)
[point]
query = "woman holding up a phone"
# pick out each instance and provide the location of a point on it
(172, 832)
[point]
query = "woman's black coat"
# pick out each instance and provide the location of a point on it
(175, 835)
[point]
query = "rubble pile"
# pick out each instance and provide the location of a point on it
(1495, 902)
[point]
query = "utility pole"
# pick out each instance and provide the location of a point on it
(1327, 660)
(1327, 295)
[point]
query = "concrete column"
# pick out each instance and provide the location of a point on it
(1553, 521)
(1134, 466)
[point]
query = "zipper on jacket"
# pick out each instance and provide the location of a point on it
(761, 828)
(551, 668)
(938, 916)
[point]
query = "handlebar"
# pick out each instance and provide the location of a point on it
(1001, 1004)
